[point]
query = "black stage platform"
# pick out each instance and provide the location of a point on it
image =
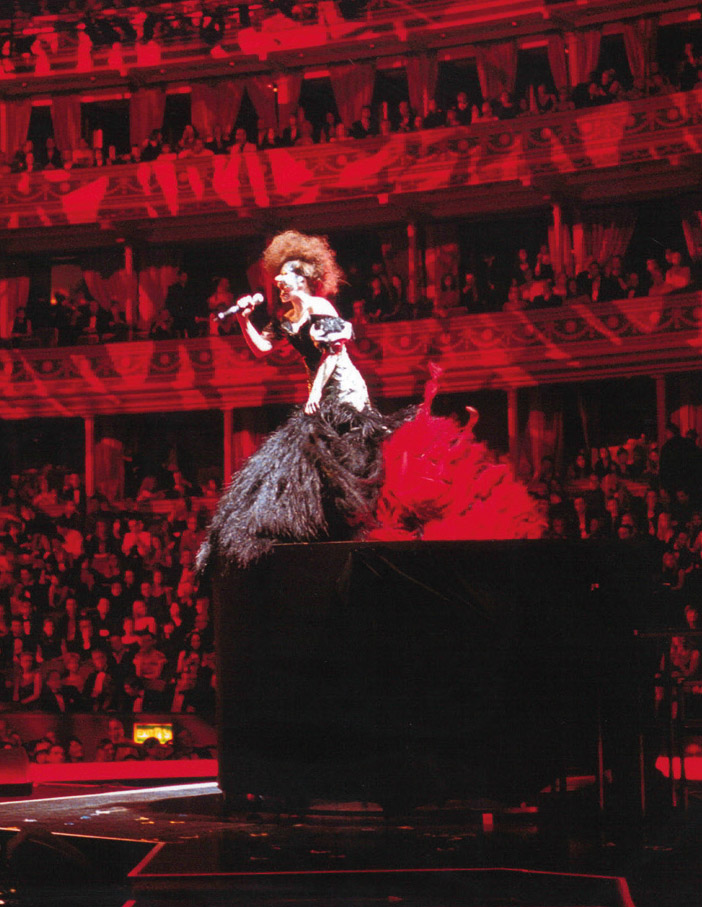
(426, 724)
(406, 673)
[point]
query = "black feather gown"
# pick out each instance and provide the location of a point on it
(318, 475)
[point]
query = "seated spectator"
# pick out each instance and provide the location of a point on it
(155, 751)
(515, 301)
(104, 620)
(447, 297)
(187, 139)
(270, 140)
(340, 134)
(93, 321)
(543, 268)
(55, 697)
(506, 109)
(658, 84)
(51, 157)
(241, 143)
(198, 151)
(404, 121)
(435, 117)
(162, 326)
(23, 158)
(655, 278)
(105, 751)
(564, 101)
(21, 330)
(377, 301)
(167, 153)
(27, 683)
(470, 294)
(306, 136)
(99, 689)
(74, 750)
(49, 643)
(40, 751)
(149, 661)
(545, 100)
(185, 697)
(83, 155)
(604, 464)
(462, 110)
(684, 659)
(116, 329)
(590, 280)
(364, 126)
(546, 299)
(179, 305)
(153, 146)
(143, 621)
(637, 90)
(633, 286)
(487, 114)
(678, 276)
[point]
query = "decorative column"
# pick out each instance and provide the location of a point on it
(228, 429)
(131, 301)
(661, 411)
(513, 427)
(412, 263)
(89, 422)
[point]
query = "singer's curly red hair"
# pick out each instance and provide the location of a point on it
(318, 260)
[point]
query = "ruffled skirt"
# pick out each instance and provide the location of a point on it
(342, 474)
(317, 477)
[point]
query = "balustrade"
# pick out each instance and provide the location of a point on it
(651, 336)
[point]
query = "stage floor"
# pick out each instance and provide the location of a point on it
(152, 847)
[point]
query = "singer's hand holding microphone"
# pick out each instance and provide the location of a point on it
(243, 306)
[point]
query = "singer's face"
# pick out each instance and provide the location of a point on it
(291, 280)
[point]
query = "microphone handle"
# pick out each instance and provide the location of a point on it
(235, 309)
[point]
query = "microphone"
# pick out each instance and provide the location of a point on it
(235, 309)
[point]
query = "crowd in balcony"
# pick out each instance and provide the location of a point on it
(372, 293)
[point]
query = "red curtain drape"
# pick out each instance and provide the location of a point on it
(289, 87)
(640, 45)
(543, 434)
(353, 89)
(66, 119)
(14, 125)
(558, 60)
(14, 292)
(158, 270)
(692, 229)
(497, 68)
(583, 54)
(216, 105)
(109, 468)
(260, 90)
(146, 109)
(108, 280)
(603, 233)
(422, 73)
(560, 244)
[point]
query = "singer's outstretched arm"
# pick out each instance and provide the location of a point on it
(258, 343)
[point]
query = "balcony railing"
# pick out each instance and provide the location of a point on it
(579, 342)
(433, 168)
